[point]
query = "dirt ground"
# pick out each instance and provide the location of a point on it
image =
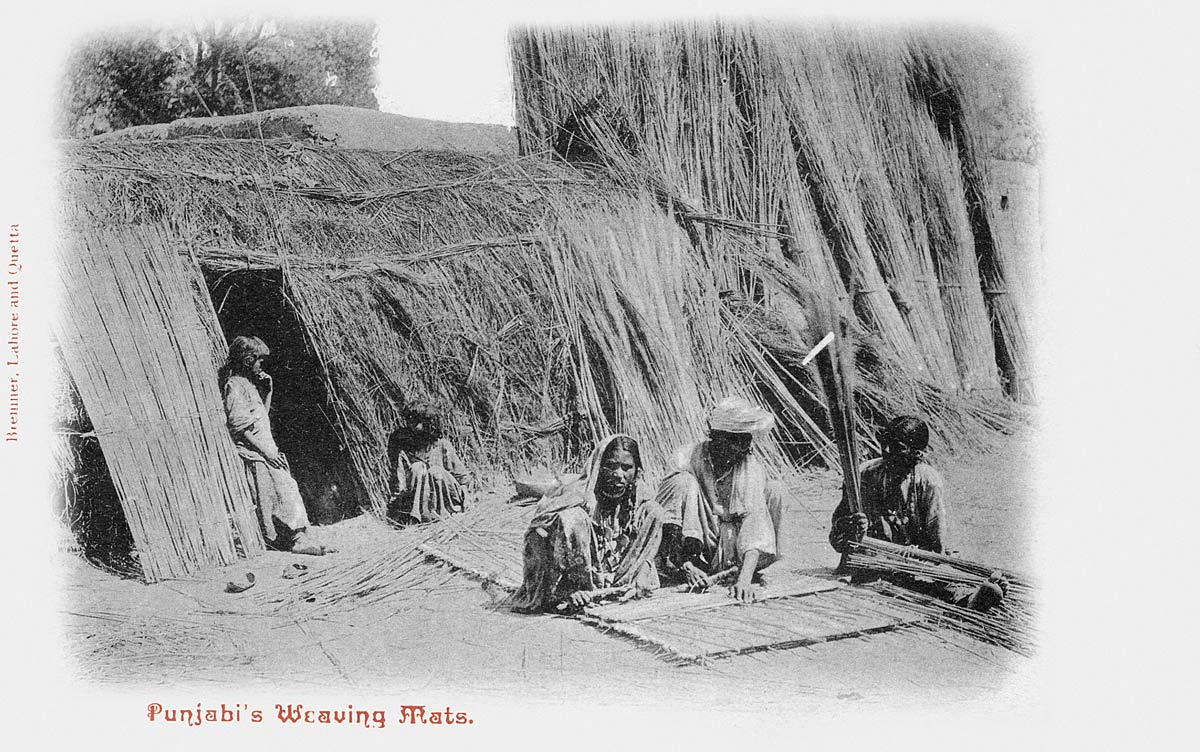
(446, 637)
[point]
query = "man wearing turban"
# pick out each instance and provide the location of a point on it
(721, 511)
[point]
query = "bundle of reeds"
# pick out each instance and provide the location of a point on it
(885, 552)
(825, 139)
(651, 336)
(948, 83)
(783, 330)
(928, 189)
(143, 363)
(835, 364)
(1010, 624)
(995, 627)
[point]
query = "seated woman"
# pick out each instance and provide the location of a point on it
(428, 478)
(722, 512)
(902, 503)
(594, 532)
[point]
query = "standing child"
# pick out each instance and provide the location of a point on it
(247, 390)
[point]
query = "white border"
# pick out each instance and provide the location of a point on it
(1119, 352)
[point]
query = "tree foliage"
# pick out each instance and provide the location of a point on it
(114, 81)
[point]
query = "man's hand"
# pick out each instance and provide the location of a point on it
(693, 575)
(859, 524)
(743, 593)
(742, 590)
(275, 459)
(987, 596)
(580, 598)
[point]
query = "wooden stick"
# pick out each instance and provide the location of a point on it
(601, 594)
(805, 641)
(621, 590)
(709, 580)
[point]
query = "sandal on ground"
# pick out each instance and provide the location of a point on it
(238, 587)
(294, 571)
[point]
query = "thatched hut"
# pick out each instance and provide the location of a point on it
(541, 305)
(638, 263)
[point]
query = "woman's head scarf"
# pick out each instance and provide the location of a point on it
(583, 491)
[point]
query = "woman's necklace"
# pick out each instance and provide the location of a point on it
(611, 512)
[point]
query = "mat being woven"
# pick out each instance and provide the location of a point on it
(798, 611)
(794, 610)
(668, 601)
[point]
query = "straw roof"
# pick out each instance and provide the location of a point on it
(335, 125)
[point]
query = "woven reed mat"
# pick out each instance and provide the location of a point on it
(728, 628)
(794, 609)
(486, 541)
(669, 601)
(139, 348)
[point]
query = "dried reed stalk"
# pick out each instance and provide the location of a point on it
(1010, 624)
(992, 628)
(142, 358)
(827, 137)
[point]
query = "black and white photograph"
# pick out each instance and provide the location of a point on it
(576, 379)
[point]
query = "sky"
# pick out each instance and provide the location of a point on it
(445, 69)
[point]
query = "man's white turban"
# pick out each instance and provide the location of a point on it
(737, 415)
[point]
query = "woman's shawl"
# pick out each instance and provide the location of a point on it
(647, 516)
(579, 493)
